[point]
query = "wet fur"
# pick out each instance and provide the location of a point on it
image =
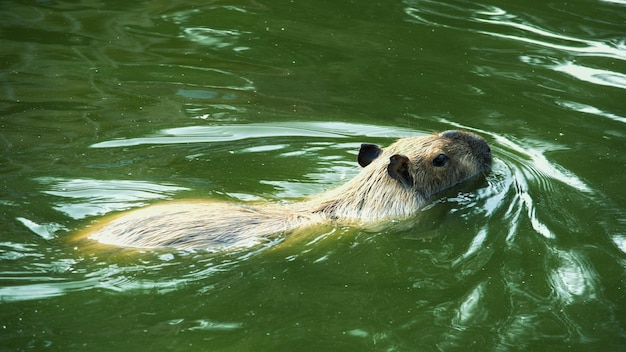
(395, 182)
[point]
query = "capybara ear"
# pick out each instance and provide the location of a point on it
(368, 153)
(398, 169)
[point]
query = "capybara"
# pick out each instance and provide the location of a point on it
(394, 182)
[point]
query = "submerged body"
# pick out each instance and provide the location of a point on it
(395, 182)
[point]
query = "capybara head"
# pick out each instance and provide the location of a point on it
(429, 164)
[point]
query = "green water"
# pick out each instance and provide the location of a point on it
(111, 105)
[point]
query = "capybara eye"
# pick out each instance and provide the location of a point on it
(440, 160)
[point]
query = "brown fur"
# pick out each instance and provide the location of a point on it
(395, 182)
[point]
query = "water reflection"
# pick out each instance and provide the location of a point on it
(222, 133)
(53, 288)
(593, 75)
(46, 231)
(467, 16)
(45, 283)
(588, 109)
(573, 279)
(215, 37)
(478, 243)
(80, 198)
(472, 309)
(553, 40)
(620, 241)
(499, 23)
(181, 325)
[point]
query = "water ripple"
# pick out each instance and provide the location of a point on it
(593, 75)
(553, 40)
(534, 151)
(588, 109)
(218, 38)
(229, 133)
(473, 16)
(573, 279)
(499, 23)
(81, 198)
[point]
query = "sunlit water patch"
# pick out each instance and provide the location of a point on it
(579, 54)
(79, 198)
(231, 133)
(53, 274)
(499, 22)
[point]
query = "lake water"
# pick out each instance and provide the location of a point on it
(111, 105)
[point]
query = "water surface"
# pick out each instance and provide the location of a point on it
(108, 106)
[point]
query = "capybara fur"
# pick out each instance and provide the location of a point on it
(394, 182)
